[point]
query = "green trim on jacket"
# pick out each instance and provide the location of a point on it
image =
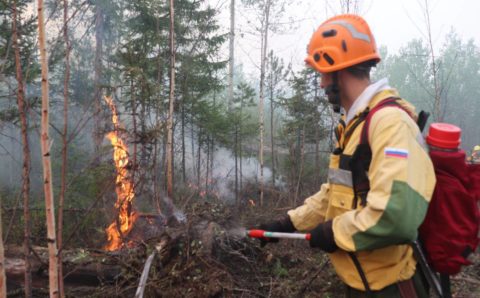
(399, 222)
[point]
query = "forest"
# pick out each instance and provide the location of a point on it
(136, 147)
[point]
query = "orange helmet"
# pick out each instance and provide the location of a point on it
(340, 42)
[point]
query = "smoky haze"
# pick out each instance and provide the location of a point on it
(395, 24)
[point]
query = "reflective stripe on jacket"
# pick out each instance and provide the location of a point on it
(402, 180)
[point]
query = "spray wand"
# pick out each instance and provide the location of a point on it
(266, 234)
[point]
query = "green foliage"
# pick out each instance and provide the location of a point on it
(279, 270)
(458, 77)
(409, 72)
(241, 121)
(307, 122)
(9, 115)
(26, 31)
(305, 109)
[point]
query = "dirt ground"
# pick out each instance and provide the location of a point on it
(207, 257)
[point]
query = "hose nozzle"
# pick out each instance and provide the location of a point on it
(265, 234)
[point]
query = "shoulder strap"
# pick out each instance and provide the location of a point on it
(361, 158)
(422, 120)
(389, 102)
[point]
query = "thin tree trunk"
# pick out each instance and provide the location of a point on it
(163, 160)
(158, 109)
(171, 105)
(154, 175)
(135, 133)
(192, 144)
(240, 141)
(231, 61)
(184, 174)
(212, 142)
(436, 104)
(317, 134)
(236, 165)
(210, 160)
(301, 157)
(98, 69)
(63, 182)
(143, 130)
(208, 164)
(262, 91)
(240, 174)
(272, 130)
(3, 279)
(47, 168)
(199, 156)
(26, 155)
(349, 6)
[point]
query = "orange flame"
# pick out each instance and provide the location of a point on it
(124, 187)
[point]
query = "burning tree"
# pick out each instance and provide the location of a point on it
(124, 187)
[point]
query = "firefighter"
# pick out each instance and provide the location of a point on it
(475, 157)
(367, 238)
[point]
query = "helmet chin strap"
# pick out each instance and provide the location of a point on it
(333, 93)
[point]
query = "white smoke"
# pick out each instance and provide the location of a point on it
(222, 176)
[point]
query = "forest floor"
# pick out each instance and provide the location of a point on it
(207, 256)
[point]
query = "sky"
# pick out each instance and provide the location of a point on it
(393, 22)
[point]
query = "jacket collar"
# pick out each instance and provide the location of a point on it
(365, 97)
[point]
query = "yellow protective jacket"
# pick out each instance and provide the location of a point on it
(400, 189)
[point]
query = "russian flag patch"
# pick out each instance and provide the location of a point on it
(396, 152)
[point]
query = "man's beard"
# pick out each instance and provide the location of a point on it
(333, 96)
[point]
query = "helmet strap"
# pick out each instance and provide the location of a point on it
(333, 93)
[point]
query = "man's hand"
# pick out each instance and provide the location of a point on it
(283, 225)
(322, 237)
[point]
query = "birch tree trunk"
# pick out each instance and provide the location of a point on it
(171, 105)
(26, 155)
(264, 44)
(3, 279)
(63, 178)
(47, 168)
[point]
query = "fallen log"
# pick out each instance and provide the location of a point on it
(81, 267)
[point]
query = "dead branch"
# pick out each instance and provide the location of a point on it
(146, 268)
